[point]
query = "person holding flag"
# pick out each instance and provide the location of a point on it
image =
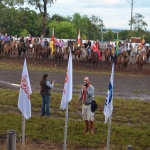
(46, 86)
(87, 96)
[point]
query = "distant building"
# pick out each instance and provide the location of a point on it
(135, 40)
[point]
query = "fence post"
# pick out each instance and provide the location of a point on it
(11, 140)
(129, 147)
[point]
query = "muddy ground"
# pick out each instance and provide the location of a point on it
(129, 85)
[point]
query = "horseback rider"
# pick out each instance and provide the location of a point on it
(94, 48)
(6, 38)
(113, 55)
(89, 47)
(29, 38)
(62, 46)
(22, 39)
(109, 45)
(46, 43)
(70, 44)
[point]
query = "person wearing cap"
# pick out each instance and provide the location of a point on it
(46, 86)
(87, 97)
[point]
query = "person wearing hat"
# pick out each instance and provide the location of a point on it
(46, 86)
(87, 97)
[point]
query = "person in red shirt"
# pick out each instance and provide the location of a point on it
(94, 48)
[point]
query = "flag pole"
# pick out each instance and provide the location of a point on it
(108, 134)
(23, 132)
(66, 126)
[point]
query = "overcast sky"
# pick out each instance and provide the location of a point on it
(114, 13)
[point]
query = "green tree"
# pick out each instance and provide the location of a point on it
(138, 23)
(42, 5)
(124, 35)
(12, 3)
(109, 36)
(63, 29)
(147, 37)
(24, 33)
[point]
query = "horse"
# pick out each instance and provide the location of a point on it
(0, 47)
(93, 58)
(76, 51)
(58, 55)
(107, 54)
(123, 60)
(21, 48)
(147, 52)
(29, 47)
(140, 61)
(40, 51)
(84, 56)
(5, 48)
(14, 48)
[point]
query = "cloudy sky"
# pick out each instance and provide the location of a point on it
(114, 13)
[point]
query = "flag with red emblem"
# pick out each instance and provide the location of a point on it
(24, 103)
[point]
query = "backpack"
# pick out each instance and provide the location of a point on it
(94, 106)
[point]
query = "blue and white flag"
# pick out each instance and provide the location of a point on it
(108, 108)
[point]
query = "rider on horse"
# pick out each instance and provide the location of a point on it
(94, 48)
(6, 39)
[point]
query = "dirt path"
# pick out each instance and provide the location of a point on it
(125, 86)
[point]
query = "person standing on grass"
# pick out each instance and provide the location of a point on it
(87, 96)
(46, 86)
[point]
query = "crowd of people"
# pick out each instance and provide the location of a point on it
(130, 48)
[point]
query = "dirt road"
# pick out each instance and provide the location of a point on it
(130, 86)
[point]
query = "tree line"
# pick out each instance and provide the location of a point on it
(24, 21)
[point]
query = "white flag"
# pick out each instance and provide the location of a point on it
(24, 103)
(108, 108)
(67, 91)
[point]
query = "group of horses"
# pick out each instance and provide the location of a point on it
(124, 58)
(80, 54)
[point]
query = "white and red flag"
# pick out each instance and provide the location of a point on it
(24, 103)
(67, 91)
(79, 38)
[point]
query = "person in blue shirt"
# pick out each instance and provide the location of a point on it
(6, 38)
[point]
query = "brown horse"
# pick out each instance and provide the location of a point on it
(76, 51)
(107, 54)
(21, 48)
(58, 55)
(40, 51)
(140, 61)
(14, 48)
(93, 58)
(123, 60)
(5, 49)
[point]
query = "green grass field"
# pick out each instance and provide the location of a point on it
(130, 123)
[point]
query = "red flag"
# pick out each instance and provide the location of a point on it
(52, 37)
(79, 41)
